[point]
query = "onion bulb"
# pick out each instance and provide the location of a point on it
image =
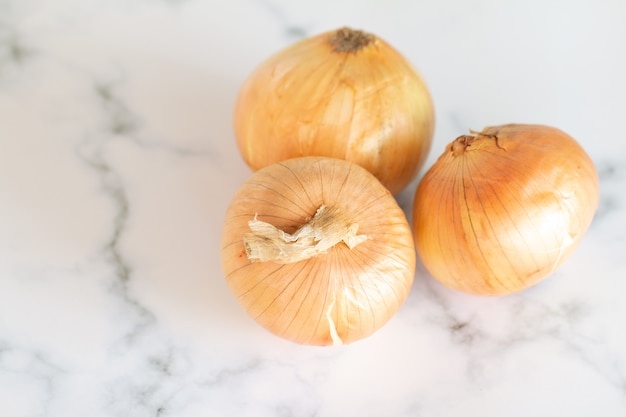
(502, 209)
(343, 94)
(317, 251)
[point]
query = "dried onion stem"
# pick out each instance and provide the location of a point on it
(326, 229)
(356, 247)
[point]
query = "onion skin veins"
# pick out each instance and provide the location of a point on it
(362, 263)
(343, 94)
(502, 209)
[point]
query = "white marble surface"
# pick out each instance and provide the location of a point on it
(117, 162)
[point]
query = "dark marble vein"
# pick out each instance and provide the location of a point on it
(290, 29)
(531, 321)
(15, 52)
(156, 381)
(92, 153)
(119, 120)
(612, 177)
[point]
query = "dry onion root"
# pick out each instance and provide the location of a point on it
(344, 94)
(317, 251)
(502, 209)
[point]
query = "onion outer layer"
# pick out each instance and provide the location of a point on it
(344, 94)
(336, 297)
(501, 210)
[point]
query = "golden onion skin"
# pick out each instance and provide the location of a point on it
(355, 290)
(355, 98)
(501, 210)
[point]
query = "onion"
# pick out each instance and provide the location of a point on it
(501, 210)
(317, 251)
(344, 94)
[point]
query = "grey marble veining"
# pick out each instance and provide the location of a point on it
(117, 163)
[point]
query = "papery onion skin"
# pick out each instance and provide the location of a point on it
(338, 297)
(506, 211)
(364, 103)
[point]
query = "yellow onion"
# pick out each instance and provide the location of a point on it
(502, 209)
(344, 94)
(317, 251)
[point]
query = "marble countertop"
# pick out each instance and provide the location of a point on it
(117, 162)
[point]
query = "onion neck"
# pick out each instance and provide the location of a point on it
(464, 142)
(350, 40)
(460, 144)
(326, 229)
